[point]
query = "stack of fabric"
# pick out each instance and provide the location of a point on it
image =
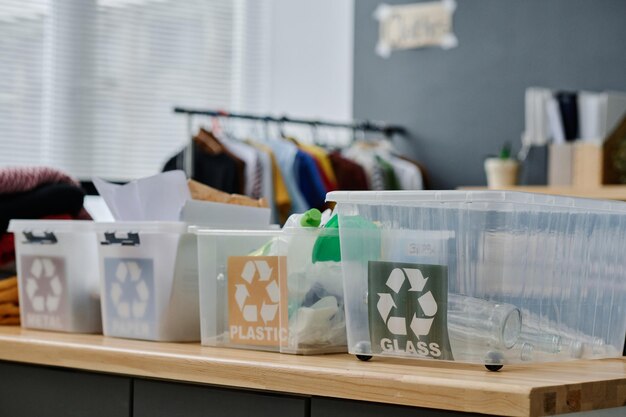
(30, 193)
(9, 302)
(292, 176)
(35, 193)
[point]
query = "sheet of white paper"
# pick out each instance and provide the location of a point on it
(97, 208)
(160, 197)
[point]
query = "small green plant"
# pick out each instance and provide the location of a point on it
(505, 152)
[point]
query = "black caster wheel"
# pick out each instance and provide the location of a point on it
(493, 368)
(363, 358)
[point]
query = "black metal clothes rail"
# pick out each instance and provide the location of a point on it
(366, 125)
(356, 126)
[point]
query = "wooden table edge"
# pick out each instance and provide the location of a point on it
(334, 376)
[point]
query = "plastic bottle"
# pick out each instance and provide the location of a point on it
(300, 233)
(316, 316)
(301, 241)
(310, 218)
(474, 321)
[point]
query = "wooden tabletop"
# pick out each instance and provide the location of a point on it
(515, 391)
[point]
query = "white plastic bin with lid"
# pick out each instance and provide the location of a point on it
(58, 276)
(483, 277)
(271, 290)
(149, 281)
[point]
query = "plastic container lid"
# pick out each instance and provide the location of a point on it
(77, 226)
(147, 226)
(494, 196)
(205, 231)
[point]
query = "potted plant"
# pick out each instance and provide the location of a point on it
(502, 170)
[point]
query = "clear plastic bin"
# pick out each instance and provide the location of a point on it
(272, 290)
(58, 277)
(483, 277)
(149, 281)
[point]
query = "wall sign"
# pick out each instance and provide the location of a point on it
(415, 26)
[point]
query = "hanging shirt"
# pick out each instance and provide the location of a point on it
(281, 193)
(420, 168)
(366, 158)
(326, 168)
(408, 174)
(328, 185)
(309, 180)
(285, 153)
(215, 170)
(389, 175)
(253, 168)
(281, 202)
(267, 185)
(350, 175)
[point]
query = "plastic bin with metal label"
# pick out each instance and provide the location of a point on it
(58, 276)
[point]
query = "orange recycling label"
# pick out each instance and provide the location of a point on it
(255, 290)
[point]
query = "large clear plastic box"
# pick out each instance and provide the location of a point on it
(58, 277)
(149, 281)
(261, 289)
(483, 277)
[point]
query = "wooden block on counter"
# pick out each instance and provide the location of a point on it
(587, 170)
(560, 164)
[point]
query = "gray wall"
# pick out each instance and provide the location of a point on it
(464, 103)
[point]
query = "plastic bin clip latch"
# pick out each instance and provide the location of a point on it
(131, 239)
(48, 238)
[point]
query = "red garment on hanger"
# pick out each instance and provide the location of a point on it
(350, 175)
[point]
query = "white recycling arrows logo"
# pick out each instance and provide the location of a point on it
(129, 292)
(251, 312)
(43, 300)
(397, 325)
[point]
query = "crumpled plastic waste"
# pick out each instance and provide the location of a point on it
(316, 311)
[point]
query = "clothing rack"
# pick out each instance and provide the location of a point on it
(364, 126)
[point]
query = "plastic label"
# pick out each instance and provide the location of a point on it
(44, 292)
(254, 294)
(130, 298)
(407, 309)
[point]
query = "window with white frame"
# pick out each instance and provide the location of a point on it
(89, 86)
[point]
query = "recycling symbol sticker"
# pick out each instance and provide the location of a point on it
(44, 290)
(254, 294)
(130, 295)
(407, 306)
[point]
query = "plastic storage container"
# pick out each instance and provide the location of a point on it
(483, 277)
(57, 268)
(272, 290)
(149, 281)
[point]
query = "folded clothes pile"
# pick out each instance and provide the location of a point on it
(9, 302)
(30, 193)
(203, 192)
(35, 193)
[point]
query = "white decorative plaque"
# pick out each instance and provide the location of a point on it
(415, 25)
